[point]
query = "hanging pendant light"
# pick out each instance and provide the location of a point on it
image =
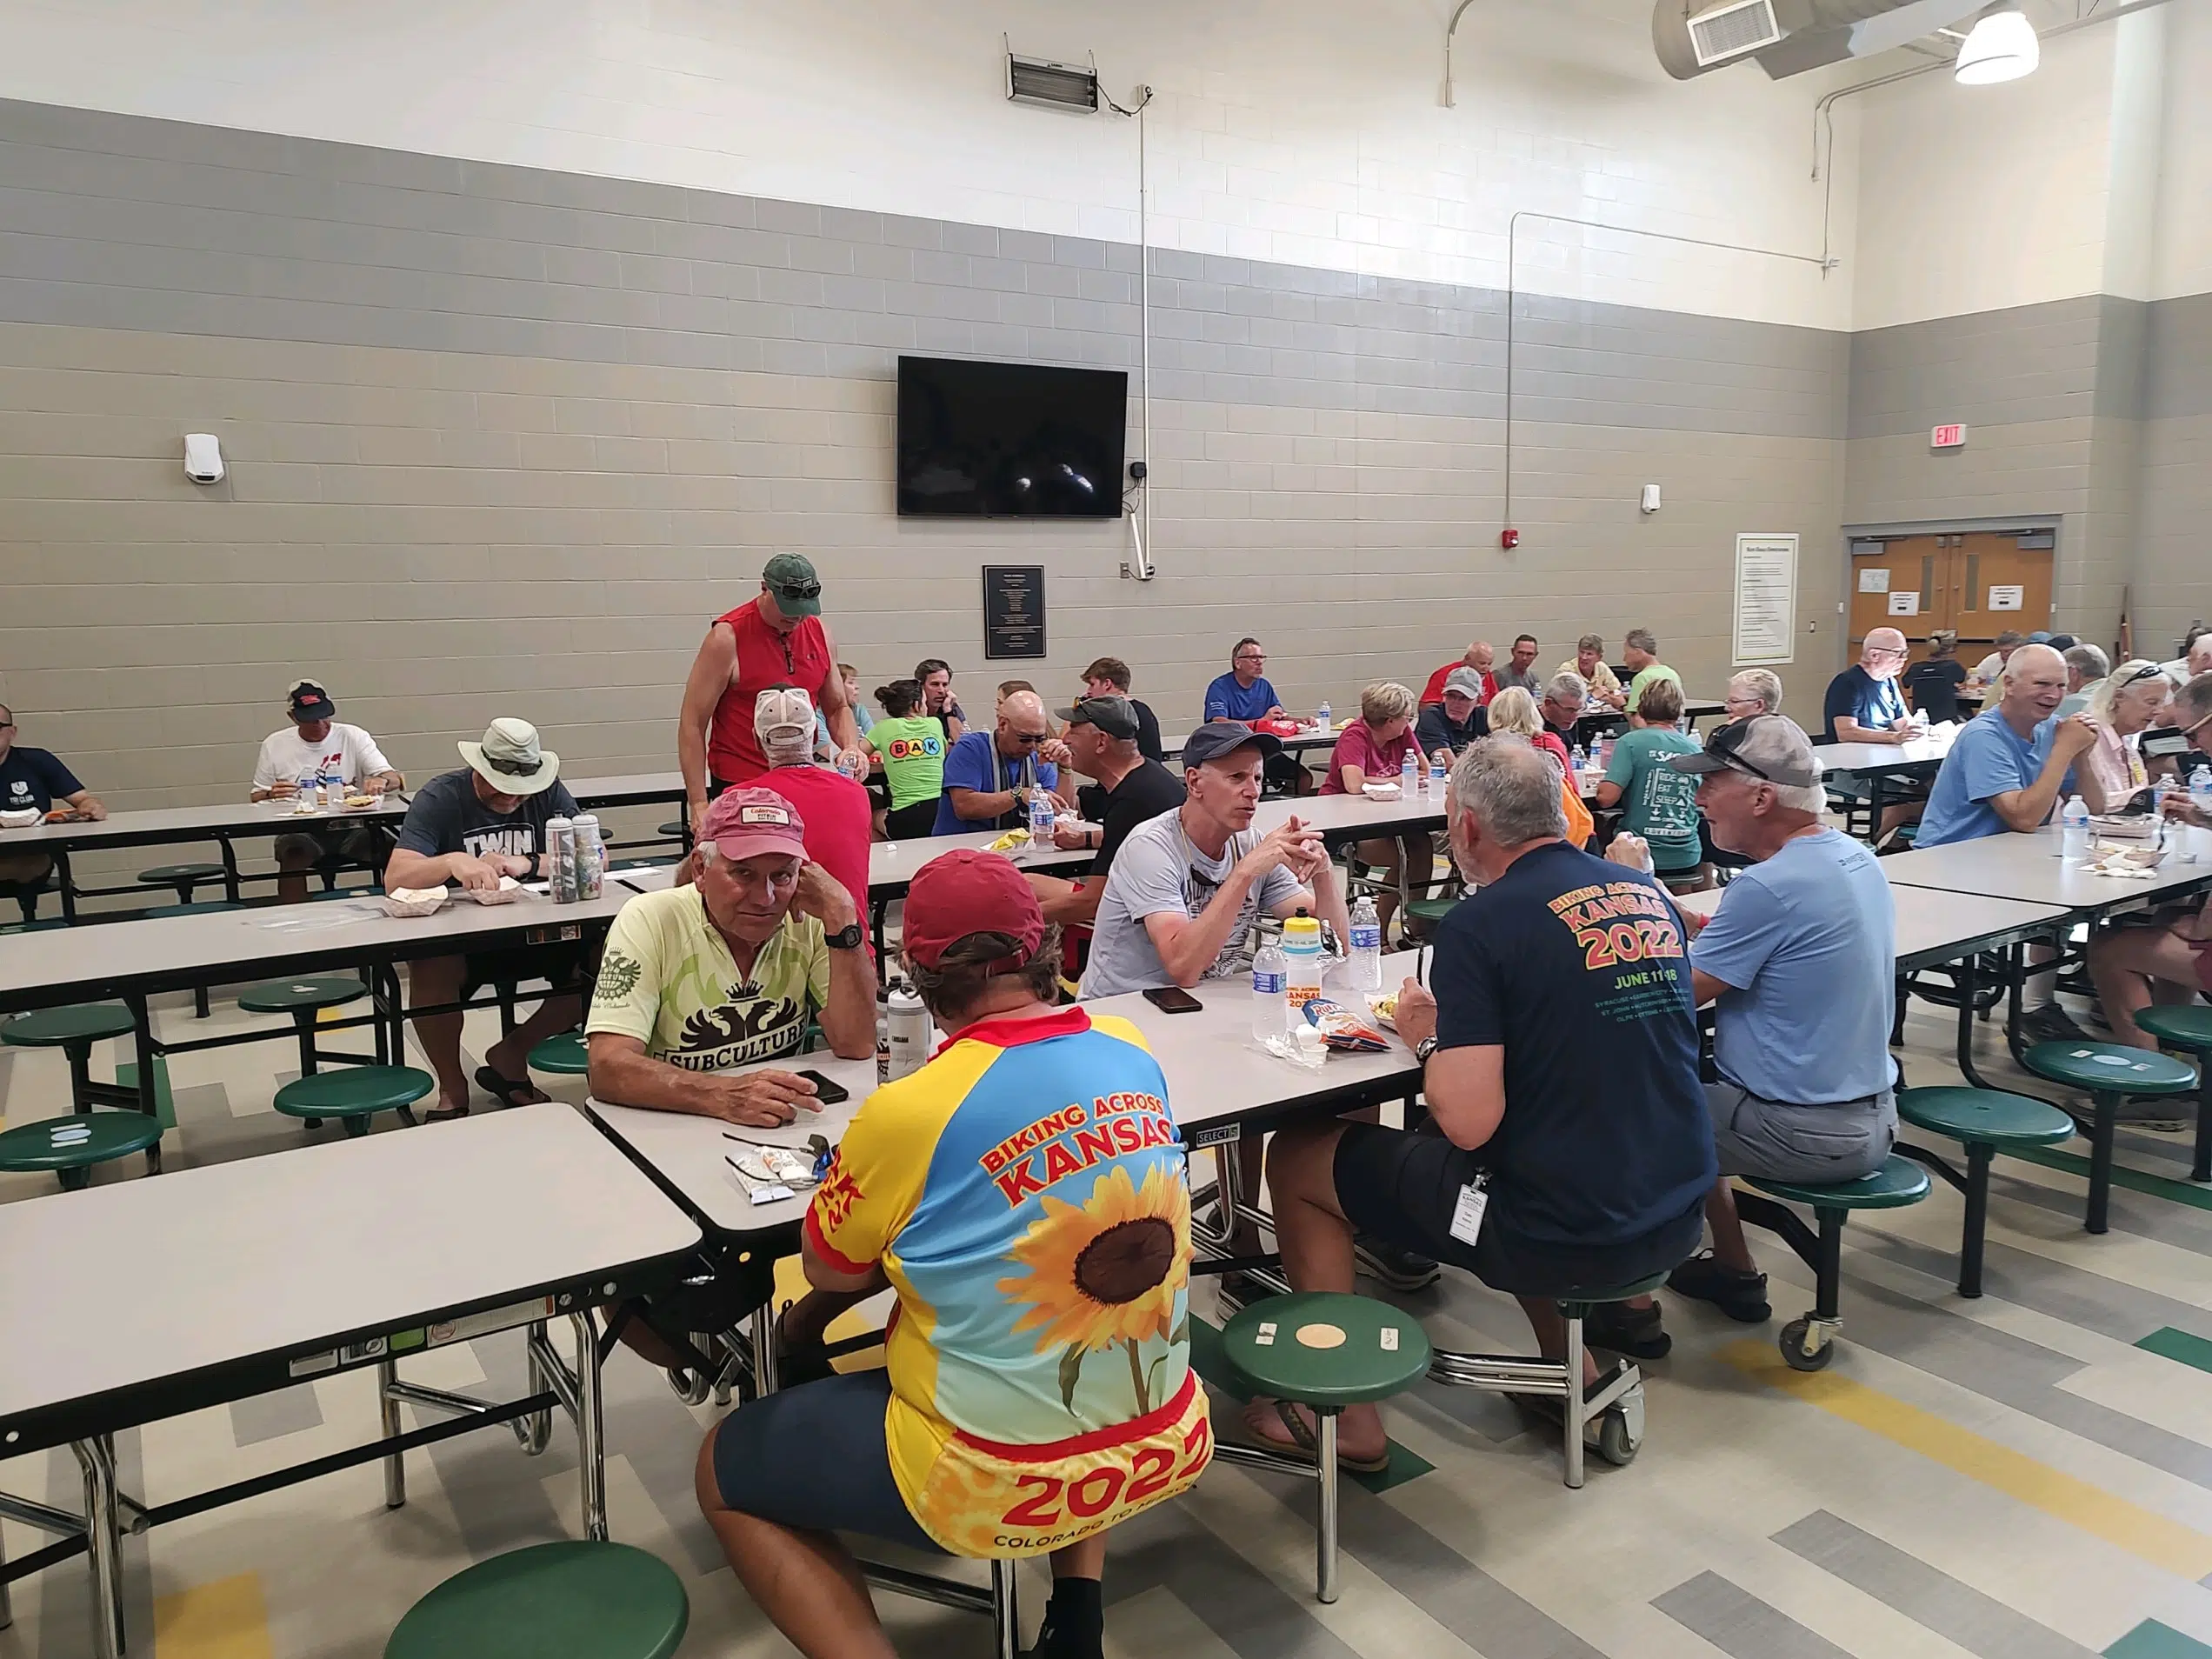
(2001, 47)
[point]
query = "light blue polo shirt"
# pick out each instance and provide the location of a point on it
(1990, 759)
(1807, 942)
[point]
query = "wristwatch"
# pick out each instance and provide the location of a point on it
(846, 938)
(1426, 1047)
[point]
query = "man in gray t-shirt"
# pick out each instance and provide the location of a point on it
(1186, 886)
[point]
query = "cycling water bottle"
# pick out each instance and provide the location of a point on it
(1270, 983)
(1367, 946)
(1302, 961)
(2074, 830)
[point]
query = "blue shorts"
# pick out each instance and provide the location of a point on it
(815, 1457)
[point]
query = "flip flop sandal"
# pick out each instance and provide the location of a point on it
(1302, 1439)
(504, 1090)
(444, 1114)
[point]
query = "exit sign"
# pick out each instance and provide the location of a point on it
(1947, 437)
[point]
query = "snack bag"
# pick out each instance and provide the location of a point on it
(1343, 1030)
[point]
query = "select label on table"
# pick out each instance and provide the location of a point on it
(436, 1335)
(1013, 610)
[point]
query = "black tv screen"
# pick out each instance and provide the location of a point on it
(1009, 440)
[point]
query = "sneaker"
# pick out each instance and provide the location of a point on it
(1741, 1295)
(1394, 1269)
(2154, 1114)
(2051, 1023)
(1620, 1329)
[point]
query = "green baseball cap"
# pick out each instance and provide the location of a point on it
(790, 578)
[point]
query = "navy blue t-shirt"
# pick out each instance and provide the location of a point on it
(32, 777)
(1875, 704)
(1575, 966)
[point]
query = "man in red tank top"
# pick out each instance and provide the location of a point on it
(777, 639)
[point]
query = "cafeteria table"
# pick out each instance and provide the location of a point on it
(127, 1304)
(2027, 868)
(1880, 765)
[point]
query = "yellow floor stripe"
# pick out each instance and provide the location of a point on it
(225, 1620)
(2162, 1543)
(791, 1285)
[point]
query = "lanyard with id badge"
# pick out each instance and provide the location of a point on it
(1468, 1212)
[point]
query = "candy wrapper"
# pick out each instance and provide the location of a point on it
(1343, 1030)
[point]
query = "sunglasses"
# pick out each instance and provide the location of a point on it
(799, 590)
(1030, 738)
(2148, 671)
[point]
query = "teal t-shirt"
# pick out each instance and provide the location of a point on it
(1657, 803)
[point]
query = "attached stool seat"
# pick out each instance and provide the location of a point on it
(304, 999)
(354, 1094)
(1610, 1415)
(570, 1600)
(2189, 1028)
(564, 1056)
(183, 877)
(70, 1146)
(74, 1030)
(2108, 1073)
(1806, 1343)
(1986, 1121)
(1324, 1350)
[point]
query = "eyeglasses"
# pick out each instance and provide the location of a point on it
(1883, 653)
(1030, 738)
(2148, 671)
(1253, 656)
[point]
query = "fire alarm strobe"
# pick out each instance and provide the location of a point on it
(1509, 539)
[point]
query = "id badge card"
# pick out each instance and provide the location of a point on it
(1467, 1213)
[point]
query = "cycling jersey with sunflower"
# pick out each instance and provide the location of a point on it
(1025, 1192)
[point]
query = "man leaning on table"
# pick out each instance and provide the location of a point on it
(2006, 771)
(1102, 738)
(31, 780)
(316, 744)
(1588, 660)
(478, 826)
(1799, 963)
(1036, 1388)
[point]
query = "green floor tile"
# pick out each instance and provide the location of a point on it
(2151, 1640)
(2180, 1192)
(2179, 1345)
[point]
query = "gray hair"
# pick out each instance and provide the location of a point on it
(2196, 699)
(1385, 701)
(1511, 788)
(1763, 683)
(1642, 639)
(2023, 656)
(1591, 643)
(2131, 676)
(1567, 684)
(2089, 661)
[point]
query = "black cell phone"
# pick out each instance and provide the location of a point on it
(828, 1093)
(1173, 999)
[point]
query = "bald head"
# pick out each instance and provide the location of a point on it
(1882, 652)
(2034, 684)
(1022, 725)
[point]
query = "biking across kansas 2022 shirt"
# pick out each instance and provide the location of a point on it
(667, 979)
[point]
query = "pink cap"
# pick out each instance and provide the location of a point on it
(747, 822)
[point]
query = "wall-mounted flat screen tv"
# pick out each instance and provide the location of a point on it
(1009, 440)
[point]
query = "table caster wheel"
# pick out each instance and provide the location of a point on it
(1798, 1350)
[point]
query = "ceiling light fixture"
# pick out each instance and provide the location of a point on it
(2001, 47)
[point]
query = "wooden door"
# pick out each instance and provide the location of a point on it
(1950, 576)
(1883, 573)
(2002, 580)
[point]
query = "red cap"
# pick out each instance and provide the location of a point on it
(968, 891)
(744, 823)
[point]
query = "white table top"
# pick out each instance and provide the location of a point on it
(1880, 757)
(131, 1284)
(1934, 925)
(1217, 1074)
(2027, 868)
(1303, 741)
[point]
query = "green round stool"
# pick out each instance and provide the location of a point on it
(1806, 1343)
(564, 1056)
(571, 1600)
(74, 1030)
(183, 877)
(304, 999)
(1326, 1350)
(354, 1094)
(70, 1146)
(2189, 1028)
(1985, 1122)
(2108, 1073)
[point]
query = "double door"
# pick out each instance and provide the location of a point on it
(1979, 582)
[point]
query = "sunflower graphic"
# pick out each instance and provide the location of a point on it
(1105, 1273)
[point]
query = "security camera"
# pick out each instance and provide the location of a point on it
(203, 458)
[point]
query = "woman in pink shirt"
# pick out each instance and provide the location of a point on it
(2124, 703)
(1373, 750)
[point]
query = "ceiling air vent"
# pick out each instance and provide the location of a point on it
(1057, 86)
(1722, 32)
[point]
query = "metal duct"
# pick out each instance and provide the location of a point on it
(1816, 32)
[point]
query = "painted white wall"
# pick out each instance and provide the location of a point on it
(1307, 131)
(2181, 257)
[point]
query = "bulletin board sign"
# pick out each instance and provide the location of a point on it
(1766, 599)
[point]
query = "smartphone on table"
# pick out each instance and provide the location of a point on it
(1173, 999)
(830, 1094)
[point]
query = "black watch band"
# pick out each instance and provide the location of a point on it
(1426, 1047)
(848, 937)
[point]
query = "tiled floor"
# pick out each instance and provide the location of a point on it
(2028, 1476)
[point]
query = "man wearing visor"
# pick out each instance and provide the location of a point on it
(775, 639)
(1798, 962)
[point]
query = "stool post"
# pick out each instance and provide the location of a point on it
(388, 1410)
(1006, 1609)
(80, 1065)
(141, 1039)
(2201, 1169)
(304, 1024)
(590, 1441)
(67, 885)
(1828, 1272)
(7, 1608)
(1576, 1408)
(1326, 1488)
(2106, 1126)
(1978, 1156)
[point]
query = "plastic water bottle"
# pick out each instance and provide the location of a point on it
(1437, 777)
(1302, 961)
(1041, 815)
(2201, 798)
(2074, 830)
(1367, 946)
(1579, 758)
(1605, 752)
(1270, 986)
(1409, 776)
(329, 790)
(1321, 714)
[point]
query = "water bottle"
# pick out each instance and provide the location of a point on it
(1579, 762)
(908, 1025)
(2074, 830)
(882, 1038)
(1605, 754)
(1321, 714)
(1409, 776)
(1270, 983)
(560, 860)
(2201, 798)
(329, 790)
(1301, 961)
(1367, 946)
(1437, 777)
(591, 857)
(1042, 812)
